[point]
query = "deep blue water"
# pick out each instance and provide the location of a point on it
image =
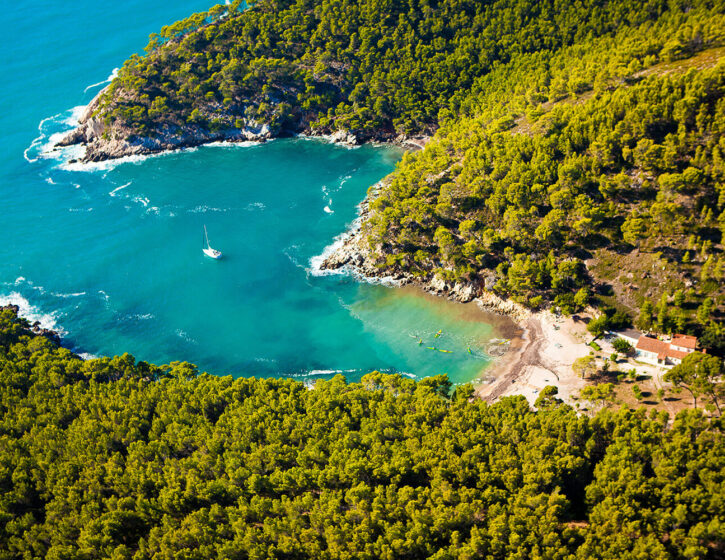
(111, 254)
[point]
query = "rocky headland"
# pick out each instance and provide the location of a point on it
(352, 253)
(541, 350)
(542, 347)
(105, 140)
(530, 349)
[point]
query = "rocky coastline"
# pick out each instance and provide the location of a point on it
(352, 254)
(106, 142)
(35, 327)
(541, 348)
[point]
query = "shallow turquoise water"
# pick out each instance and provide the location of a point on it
(111, 254)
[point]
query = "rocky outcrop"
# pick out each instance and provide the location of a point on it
(103, 140)
(116, 145)
(343, 137)
(352, 254)
(35, 327)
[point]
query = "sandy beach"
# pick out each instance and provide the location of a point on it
(542, 355)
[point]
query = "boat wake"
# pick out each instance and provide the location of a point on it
(183, 335)
(252, 206)
(114, 191)
(204, 209)
(66, 296)
(139, 317)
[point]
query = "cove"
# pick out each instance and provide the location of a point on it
(111, 254)
(141, 284)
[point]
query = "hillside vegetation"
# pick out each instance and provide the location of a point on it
(627, 178)
(369, 67)
(577, 154)
(109, 458)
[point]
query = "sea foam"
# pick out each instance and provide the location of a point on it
(31, 312)
(114, 191)
(110, 164)
(65, 296)
(203, 209)
(114, 73)
(235, 144)
(38, 142)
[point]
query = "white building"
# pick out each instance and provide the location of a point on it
(665, 353)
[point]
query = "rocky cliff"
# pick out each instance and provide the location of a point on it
(109, 141)
(105, 140)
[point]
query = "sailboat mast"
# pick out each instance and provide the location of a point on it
(208, 251)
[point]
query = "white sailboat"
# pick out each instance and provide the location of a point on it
(208, 251)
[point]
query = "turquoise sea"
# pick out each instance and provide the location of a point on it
(110, 254)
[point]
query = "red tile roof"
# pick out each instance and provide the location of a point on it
(684, 341)
(649, 344)
(663, 349)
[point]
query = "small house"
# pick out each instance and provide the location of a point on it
(665, 353)
(684, 343)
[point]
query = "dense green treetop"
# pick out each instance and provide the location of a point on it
(112, 458)
(367, 66)
(636, 168)
(562, 173)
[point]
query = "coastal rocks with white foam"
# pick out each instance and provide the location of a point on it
(344, 137)
(107, 138)
(35, 326)
(351, 253)
(103, 142)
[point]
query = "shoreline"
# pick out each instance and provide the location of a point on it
(530, 362)
(542, 347)
(414, 143)
(544, 355)
(510, 373)
(102, 142)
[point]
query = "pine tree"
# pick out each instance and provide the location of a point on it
(644, 320)
(705, 270)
